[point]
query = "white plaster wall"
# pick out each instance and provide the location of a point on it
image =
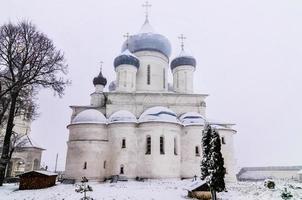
(156, 165)
(183, 77)
(126, 78)
(87, 143)
(123, 156)
(227, 151)
(88, 132)
(137, 103)
(97, 98)
(92, 152)
(158, 63)
(190, 163)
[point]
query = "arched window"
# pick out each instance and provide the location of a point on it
(164, 78)
(85, 165)
(177, 80)
(125, 78)
(123, 143)
(197, 153)
(162, 145)
(148, 75)
(105, 164)
(148, 145)
(222, 140)
(122, 169)
(175, 146)
(186, 81)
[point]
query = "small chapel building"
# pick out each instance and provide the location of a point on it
(143, 127)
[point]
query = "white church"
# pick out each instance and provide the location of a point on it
(144, 127)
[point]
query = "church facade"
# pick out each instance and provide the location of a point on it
(144, 127)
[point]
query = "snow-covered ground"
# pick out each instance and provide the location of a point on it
(149, 190)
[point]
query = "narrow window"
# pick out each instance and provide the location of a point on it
(85, 165)
(118, 78)
(148, 74)
(105, 164)
(222, 140)
(175, 146)
(125, 78)
(197, 151)
(186, 81)
(124, 143)
(162, 145)
(122, 169)
(164, 78)
(148, 145)
(177, 81)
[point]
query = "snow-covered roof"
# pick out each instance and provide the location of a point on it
(183, 59)
(192, 118)
(148, 40)
(158, 114)
(195, 185)
(27, 142)
(47, 173)
(126, 57)
(89, 116)
(122, 116)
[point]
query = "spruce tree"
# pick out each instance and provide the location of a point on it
(206, 139)
(216, 166)
(212, 164)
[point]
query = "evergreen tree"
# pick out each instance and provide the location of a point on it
(212, 165)
(206, 139)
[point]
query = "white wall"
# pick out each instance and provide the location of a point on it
(190, 163)
(227, 151)
(183, 77)
(158, 63)
(126, 78)
(156, 165)
(123, 156)
(87, 143)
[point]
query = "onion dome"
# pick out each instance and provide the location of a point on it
(183, 59)
(90, 116)
(112, 86)
(122, 116)
(100, 80)
(126, 58)
(148, 40)
(158, 114)
(192, 118)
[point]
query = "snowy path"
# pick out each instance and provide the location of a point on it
(150, 190)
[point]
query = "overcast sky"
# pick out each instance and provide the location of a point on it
(249, 56)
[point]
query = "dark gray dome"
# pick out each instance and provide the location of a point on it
(147, 39)
(183, 59)
(126, 58)
(100, 80)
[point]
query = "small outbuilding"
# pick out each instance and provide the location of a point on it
(37, 179)
(200, 190)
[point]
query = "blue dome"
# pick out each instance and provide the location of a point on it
(183, 59)
(126, 58)
(148, 40)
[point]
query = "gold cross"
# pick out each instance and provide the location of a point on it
(147, 6)
(182, 41)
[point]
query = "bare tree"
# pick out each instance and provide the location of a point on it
(28, 61)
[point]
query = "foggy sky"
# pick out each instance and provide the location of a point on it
(248, 59)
